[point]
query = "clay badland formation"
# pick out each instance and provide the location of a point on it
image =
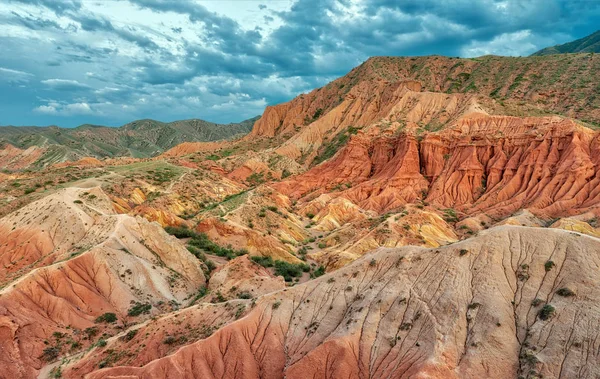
(419, 217)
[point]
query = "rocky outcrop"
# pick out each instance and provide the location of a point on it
(486, 164)
(520, 84)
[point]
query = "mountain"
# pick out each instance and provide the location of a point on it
(589, 44)
(142, 138)
(417, 217)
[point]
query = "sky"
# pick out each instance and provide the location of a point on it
(109, 62)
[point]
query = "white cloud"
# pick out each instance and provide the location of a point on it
(78, 108)
(64, 84)
(64, 109)
(46, 109)
(521, 43)
(8, 71)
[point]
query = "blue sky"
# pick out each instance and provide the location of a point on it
(69, 62)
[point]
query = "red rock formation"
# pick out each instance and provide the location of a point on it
(489, 164)
(14, 158)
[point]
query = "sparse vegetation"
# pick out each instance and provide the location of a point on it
(290, 270)
(546, 312)
(138, 309)
(263, 261)
(107, 318)
(565, 292)
(202, 242)
(330, 148)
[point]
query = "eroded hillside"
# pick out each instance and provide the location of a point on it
(523, 303)
(418, 217)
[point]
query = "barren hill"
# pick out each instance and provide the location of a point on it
(512, 302)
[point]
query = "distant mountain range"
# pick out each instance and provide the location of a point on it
(589, 44)
(142, 138)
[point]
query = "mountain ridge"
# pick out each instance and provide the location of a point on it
(138, 139)
(587, 44)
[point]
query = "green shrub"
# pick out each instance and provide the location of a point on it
(91, 332)
(565, 292)
(170, 340)
(138, 309)
(108, 318)
(546, 312)
(202, 242)
(319, 272)
(130, 335)
(263, 261)
(549, 265)
(290, 270)
(50, 353)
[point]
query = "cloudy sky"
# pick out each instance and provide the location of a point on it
(68, 62)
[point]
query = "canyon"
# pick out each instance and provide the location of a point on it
(425, 217)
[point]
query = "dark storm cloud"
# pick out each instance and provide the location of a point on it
(195, 62)
(128, 33)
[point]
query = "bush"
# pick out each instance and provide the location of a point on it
(549, 265)
(101, 343)
(319, 272)
(108, 318)
(130, 335)
(180, 231)
(202, 242)
(263, 261)
(546, 312)
(170, 340)
(78, 201)
(565, 292)
(536, 302)
(244, 295)
(91, 332)
(138, 309)
(463, 252)
(290, 270)
(50, 353)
